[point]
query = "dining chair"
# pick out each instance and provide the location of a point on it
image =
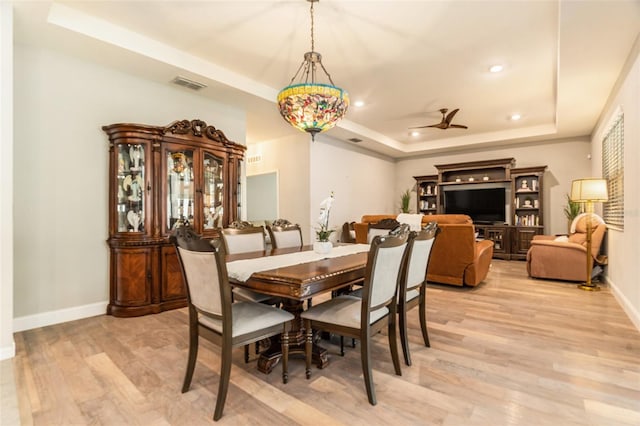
(348, 233)
(243, 237)
(397, 229)
(363, 318)
(284, 234)
(212, 314)
(381, 228)
(412, 291)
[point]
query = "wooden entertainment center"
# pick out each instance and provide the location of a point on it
(524, 212)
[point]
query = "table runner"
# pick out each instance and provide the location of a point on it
(241, 270)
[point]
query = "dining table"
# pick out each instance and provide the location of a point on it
(296, 275)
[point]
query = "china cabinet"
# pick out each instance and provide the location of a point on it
(161, 176)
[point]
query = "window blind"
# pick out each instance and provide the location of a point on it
(613, 171)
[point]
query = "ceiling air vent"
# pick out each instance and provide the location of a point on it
(189, 84)
(355, 140)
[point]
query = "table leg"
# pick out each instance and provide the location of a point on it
(270, 358)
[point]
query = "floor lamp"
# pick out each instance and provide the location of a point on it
(589, 191)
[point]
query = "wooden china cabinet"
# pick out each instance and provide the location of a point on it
(160, 176)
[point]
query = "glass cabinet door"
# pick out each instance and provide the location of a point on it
(131, 177)
(213, 191)
(180, 187)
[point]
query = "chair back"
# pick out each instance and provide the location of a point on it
(285, 234)
(243, 240)
(204, 272)
(579, 232)
(348, 233)
(381, 228)
(382, 273)
(414, 271)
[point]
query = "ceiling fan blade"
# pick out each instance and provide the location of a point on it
(451, 114)
(439, 125)
(458, 126)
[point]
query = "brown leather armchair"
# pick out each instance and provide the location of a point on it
(456, 258)
(565, 257)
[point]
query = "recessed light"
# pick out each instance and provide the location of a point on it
(415, 133)
(358, 104)
(496, 68)
(515, 117)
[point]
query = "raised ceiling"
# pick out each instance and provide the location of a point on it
(404, 59)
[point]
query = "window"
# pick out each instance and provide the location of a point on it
(613, 171)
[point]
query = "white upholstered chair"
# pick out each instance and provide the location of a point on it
(285, 234)
(212, 314)
(381, 228)
(412, 291)
(242, 237)
(362, 318)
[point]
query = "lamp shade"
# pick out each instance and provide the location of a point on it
(589, 190)
(313, 107)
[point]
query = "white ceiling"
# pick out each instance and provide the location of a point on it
(404, 59)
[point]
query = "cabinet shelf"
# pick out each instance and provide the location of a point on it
(463, 182)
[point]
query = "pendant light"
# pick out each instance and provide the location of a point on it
(308, 105)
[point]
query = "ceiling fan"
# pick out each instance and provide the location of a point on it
(446, 121)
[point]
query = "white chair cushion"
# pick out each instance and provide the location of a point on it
(342, 310)
(285, 239)
(412, 294)
(374, 232)
(202, 275)
(248, 317)
(384, 275)
(244, 243)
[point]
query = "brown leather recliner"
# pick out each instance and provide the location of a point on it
(456, 257)
(565, 257)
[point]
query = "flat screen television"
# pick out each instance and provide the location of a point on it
(483, 205)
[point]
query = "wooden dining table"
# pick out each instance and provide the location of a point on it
(295, 284)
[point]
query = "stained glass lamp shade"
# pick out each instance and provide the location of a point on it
(310, 106)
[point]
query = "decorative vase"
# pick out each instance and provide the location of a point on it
(322, 247)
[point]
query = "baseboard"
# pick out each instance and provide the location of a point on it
(627, 307)
(8, 351)
(56, 317)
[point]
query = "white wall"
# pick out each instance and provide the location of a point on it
(565, 160)
(7, 347)
(288, 156)
(61, 160)
(362, 182)
(623, 246)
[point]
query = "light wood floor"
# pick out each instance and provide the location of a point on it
(512, 351)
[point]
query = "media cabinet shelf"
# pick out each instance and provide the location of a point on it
(513, 238)
(428, 191)
(463, 182)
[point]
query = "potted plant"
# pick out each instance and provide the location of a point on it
(323, 245)
(571, 210)
(405, 199)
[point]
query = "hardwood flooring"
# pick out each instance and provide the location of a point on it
(513, 351)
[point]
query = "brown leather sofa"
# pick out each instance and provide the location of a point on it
(565, 257)
(456, 258)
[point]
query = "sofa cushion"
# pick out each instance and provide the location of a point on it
(578, 238)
